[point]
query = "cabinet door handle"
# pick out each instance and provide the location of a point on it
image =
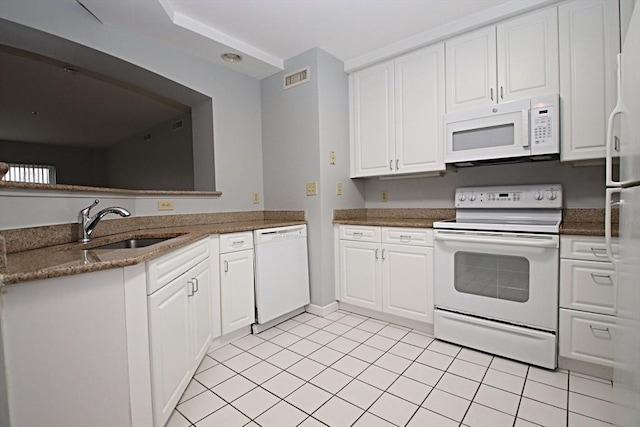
(226, 266)
(501, 92)
(492, 94)
(190, 291)
(383, 254)
(397, 164)
(599, 252)
(594, 328)
(390, 164)
(595, 276)
(197, 285)
(377, 253)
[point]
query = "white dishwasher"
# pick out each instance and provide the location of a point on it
(281, 273)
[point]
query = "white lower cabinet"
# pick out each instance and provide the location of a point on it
(237, 294)
(180, 324)
(387, 269)
(587, 300)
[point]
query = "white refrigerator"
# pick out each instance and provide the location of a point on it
(627, 262)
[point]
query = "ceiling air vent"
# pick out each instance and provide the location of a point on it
(298, 77)
(177, 125)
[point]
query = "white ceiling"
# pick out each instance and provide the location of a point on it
(267, 32)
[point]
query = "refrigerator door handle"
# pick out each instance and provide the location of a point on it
(609, 137)
(607, 224)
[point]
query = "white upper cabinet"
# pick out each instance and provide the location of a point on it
(471, 70)
(589, 44)
(397, 109)
(372, 121)
(516, 59)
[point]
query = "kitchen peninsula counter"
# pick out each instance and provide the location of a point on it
(52, 251)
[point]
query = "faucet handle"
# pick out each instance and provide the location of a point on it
(86, 210)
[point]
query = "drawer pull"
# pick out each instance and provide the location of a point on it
(237, 243)
(598, 329)
(357, 234)
(599, 252)
(595, 277)
(404, 238)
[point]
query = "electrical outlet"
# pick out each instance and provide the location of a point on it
(332, 157)
(384, 196)
(165, 205)
(255, 197)
(339, 188)
(312, 188)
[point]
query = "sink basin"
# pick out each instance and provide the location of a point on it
(133, 243)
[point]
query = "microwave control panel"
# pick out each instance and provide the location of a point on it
(542, 125)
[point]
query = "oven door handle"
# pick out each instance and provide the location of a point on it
(532, 240)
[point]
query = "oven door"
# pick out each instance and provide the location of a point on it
(511, 277)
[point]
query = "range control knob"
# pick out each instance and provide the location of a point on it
(472, 197)
(462, 197)
(551, 194)
(539, 195)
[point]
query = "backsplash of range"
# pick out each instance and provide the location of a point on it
(516, 131)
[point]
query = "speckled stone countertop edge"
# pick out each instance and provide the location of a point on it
(581, 221)
(75, 258)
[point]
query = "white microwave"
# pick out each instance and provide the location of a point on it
(513, 131)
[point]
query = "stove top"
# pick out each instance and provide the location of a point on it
(514, 208)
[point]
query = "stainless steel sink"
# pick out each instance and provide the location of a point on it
(133, 243)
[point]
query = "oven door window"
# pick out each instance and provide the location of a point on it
(501, 277)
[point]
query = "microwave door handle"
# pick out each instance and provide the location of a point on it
(525, 128)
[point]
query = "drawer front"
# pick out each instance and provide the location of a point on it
(360, 233)
(408, 236)
(587, 285)
(161, 271)
(587, 337)
(589, 248)
(234, 242)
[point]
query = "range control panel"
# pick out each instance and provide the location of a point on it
(545, 196)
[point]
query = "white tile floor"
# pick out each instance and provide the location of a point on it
(345, 369)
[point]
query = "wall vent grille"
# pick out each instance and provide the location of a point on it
(177, 125)
(296, 78)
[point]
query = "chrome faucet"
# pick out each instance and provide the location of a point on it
(87, 224)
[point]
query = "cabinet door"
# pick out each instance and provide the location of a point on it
(407, 281)
(471, 70)
(528, 56)
(589, 44)
(170, 341)
(236, 288)
(419, 110)
(372, 126)
(360, 274)
(200, 307)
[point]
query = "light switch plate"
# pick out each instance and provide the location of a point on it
(332, 157)
(384, 196)
(165, 205)
(339, 188)
(312, 188)
(255, 197)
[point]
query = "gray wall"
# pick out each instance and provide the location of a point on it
(236, 97)
(163, 162)
(300, 126)
(74, 165)
(583, 186)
